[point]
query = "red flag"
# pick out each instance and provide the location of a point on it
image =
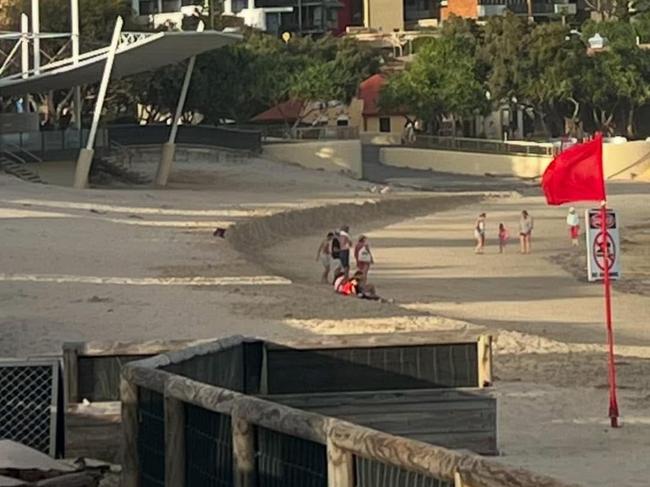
(576, 174)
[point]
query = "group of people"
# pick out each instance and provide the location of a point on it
(334, 255)
(525, 232)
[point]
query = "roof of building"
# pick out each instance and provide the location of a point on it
(137, 53)
(369, 91)
(287, 111)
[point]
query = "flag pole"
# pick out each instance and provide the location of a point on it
(613, 402)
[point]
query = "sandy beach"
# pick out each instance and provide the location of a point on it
(135, 264)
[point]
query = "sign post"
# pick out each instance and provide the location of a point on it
(600, 238)
(603, 254)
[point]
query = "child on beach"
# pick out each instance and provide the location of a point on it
(503, 237)
(479, 233)
(573, 221)
(324, 255)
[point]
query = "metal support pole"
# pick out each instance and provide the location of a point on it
(74, 30)
(86, 155)
(168, 149)
(613, 400)
(24, 41)
(36, 31)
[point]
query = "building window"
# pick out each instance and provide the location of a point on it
(384, 124)
(148, 7)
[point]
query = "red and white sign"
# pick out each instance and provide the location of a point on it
(595, 249)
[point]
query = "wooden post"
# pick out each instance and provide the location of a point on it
(174, 442)
(340, 466)
(243, 444)
(71, 372)
(129, 396)
(484, 357)
(458, 480)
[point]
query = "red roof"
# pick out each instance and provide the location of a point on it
(288, 111)
(369, 93)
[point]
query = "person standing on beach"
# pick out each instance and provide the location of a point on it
(503, 238)
(573, 221)
(363, 256)
(324, 255)
(525, 231)
(479, 233)
(346, 243)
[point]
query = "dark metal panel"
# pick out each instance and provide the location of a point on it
(371, 369)
(208, 448)
(151, 438)
(287, 461)
(370, 473)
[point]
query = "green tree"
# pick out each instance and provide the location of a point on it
(554, 63)
(442, 82)
(616, 82)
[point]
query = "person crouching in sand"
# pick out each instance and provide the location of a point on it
(324, 255)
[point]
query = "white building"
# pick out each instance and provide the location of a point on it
(161, 12)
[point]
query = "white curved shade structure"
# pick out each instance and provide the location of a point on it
(136, 53)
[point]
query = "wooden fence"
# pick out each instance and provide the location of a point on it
(180, 431)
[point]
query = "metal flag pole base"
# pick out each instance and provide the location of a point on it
(613, 401)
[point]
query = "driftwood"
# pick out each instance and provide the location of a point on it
(147, 377)
(206, 396)
(440, 463)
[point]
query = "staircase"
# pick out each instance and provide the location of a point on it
(105, 168)
(19, 169)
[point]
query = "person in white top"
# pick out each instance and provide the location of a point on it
(525, 231)
(573, 221)
(479, 233)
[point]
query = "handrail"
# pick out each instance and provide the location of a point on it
(13, 156)
(483, 145)
(25, 151)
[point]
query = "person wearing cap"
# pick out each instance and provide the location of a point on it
(573, 221)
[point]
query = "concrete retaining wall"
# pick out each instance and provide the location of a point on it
(622, 161)
(465, 162)
(626, 161)
(330, 155)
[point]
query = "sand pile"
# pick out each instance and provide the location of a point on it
(263, 232)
